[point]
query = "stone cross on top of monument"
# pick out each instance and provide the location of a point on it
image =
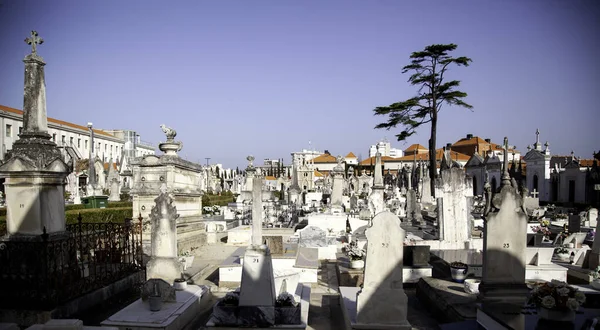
(34, 40)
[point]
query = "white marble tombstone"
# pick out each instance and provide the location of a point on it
(504, 245)
(164, 263)
(382, 301)
(257, 292)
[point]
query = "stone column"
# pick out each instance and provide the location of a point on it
(376, 202)
(35, 171)
(257, 212)
(337, 186)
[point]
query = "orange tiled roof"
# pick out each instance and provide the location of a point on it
(114, 166)
(438, 156)
(270, 177)
(319, 174)
(324, 158)
(469, 142)
(415, 146)
(371, 160)
(476, 140)
(350, 155)
(588, 162)
(56, 121)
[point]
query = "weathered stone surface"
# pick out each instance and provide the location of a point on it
(257, 211)
(258, 282)
(275, 244)
(256, 316)
(312, 236)
(164, 263)
(382, 299)
(504, 243)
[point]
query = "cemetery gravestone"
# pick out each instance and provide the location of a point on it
(382, 300)
(164, 263)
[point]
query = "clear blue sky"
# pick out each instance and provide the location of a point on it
(266, 77)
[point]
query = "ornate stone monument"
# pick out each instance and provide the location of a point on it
(182, 179)
(170, 147)
(164, 263)
(35, 171)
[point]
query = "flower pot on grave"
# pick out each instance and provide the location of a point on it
(563, 256)
(459, 274)
(179, 284)
(357, 264)
(155, 303)
(472, 286)
(596, 284)
(556, 315)
(287, 315)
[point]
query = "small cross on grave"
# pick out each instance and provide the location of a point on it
(535, 193)
(34, 40)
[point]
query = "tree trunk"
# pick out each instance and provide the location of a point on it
(432, 160)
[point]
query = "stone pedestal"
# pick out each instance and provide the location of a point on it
(35, 201)
(257, 292)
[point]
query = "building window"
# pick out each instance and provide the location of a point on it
(63, 139)
(86, 144)
(78, 143)
(20, 130)
(54, 137)
(71, 140)
(8, 130)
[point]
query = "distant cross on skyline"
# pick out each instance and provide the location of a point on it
(34, 40)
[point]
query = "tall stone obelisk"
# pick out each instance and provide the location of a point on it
(35, 171)
(257, 289)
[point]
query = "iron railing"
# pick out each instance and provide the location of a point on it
(49, 271)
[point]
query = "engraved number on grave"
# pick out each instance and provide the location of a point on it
(385, 245)
(255, 260)
(506, 245)
(21, 205)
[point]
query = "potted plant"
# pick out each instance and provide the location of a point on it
(458, 271)
(355, 255)
(596, 278)
(562, 254)
(225, 311)
(287, 310)
(556, 301)
(542, 230)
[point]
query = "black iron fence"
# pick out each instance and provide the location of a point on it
(50, 270)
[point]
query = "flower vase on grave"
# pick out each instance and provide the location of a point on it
(459, 271)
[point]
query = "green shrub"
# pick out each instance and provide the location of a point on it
(70, 207)
(113, 214)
